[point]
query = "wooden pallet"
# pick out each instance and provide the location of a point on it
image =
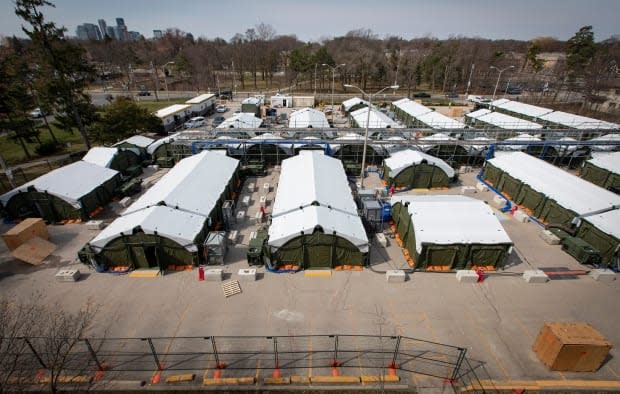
(231, 288)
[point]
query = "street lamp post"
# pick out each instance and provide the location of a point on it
(370, 96)
(333, 68)
(498, 77)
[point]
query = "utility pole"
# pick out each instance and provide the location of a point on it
(469, 80)
(155, 77)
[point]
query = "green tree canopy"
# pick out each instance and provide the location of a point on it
(580, 50)
(124, 118)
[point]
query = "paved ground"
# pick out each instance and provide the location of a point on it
(497, 320)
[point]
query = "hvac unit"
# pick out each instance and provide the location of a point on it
(215, 247)
(581, 250)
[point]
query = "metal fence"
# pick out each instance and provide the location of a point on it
(305, 355)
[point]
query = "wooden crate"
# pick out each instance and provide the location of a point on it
(574, 347)
(27, 229)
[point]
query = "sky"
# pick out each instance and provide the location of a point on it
(317, 19)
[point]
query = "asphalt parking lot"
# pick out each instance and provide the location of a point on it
(496, 320)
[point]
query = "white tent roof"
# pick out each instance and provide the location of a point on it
(521, 108)
(308, 141)
(242, 120)
(436, 120)
(411, 107)
(378, 119)
(69, 183)
(100, 156)
(311, 176)
(502, 121)
(166, 140)
(308, 117)
(434, 139)
(610, 162)
(350, 103)
(137, 140)
(577, 121)
(200, 99)
(171, 110)
(193, 185)
(251, 100)
(570, 191)
(452, 219)
(606, 137)
(179, 226)
(352, 136)
(519, 138)
(406, 158)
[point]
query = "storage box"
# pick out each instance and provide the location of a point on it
(574, 347)
(27, 229)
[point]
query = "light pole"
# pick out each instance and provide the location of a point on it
(333, 68)
(370, 96)
(163, 68)
(315, 66)
(498, 77)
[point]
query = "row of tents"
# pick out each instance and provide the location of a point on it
(169, 223)
(558, 198)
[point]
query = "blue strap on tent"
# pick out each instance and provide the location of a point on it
(508, 202)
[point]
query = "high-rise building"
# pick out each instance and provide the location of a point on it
(134, 35)
(110, 32)
(157, 34)
(103, 28)
(88, 31)
(121, 29)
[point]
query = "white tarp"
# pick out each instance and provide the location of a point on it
(502, 121)
(569, 191)
(352, 102)
(519, 138)
(452, 219)
(308, 117)
(179, 226)
(610, 162)
(406, 158)
(242, 120)
(70, 183)
(577, 121)
(434, 139)
(378, 119)
(195, 184)
(137, 140)
(313, 177)
(166, 140)
(436, 120)
(411, 107)
(101, 156)
(201, 98)
(532, 111)
(607, 138)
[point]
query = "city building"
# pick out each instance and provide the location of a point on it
(88, 31)
(158, 34)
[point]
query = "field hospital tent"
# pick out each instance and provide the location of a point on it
(446, 232)
(377, 119)
(557, 197)
(315, 223)
(353, 104)
(408, 110)
(170, 146)
(603, 170)
(308, 118)
(114, 158)
(484, 118)
(74, 191)
(413, 169)
(168, 224)
(136, 143)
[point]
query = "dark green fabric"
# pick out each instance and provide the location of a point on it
(268, 154)
(123, 160)
(421, 175)
(318, 250)
(594, 174)
(509, 185)
(606, 244)
(492, 174)
(531, 199)
(613, 180)
(553, 213)
(354, 153)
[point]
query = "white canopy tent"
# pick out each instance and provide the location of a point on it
(502, 121)
(242, 120)
(405, 158)
(378, 120)
(311, 177)
(308, 117)
(352, 102)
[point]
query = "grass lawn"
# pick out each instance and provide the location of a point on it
(13, 153)
(153, 106)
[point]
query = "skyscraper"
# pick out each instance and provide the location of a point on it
(157, 34)
(88, 31)
(121, 29)
(103, 27)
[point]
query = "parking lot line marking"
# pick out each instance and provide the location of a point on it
(490, 347)
(612, 371)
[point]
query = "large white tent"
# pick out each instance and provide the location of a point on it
(500, 120)
(313, 192)
(308, 117)
(377, 119)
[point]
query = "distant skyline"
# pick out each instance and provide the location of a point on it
(317, 19)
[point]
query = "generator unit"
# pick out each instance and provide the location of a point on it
(581, 250)
(256, 248)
